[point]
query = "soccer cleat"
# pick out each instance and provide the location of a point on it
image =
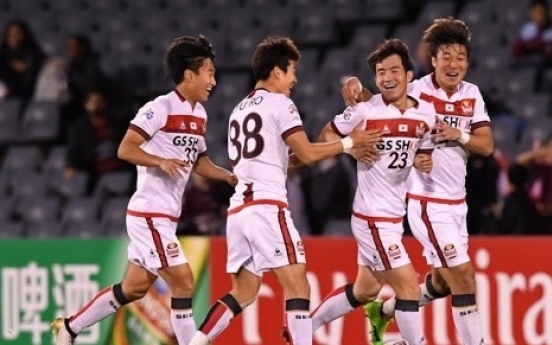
(396, 342)
(378, 325)
(63, 337)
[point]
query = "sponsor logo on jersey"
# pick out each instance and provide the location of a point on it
(347, 114)
(450, 251)
(300, 248)
(467, 107)
(149, 113)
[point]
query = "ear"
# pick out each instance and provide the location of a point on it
(188, 75)
(433, 62)
(409, 76)
(277, 72)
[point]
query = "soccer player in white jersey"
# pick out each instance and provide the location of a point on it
(261, 236)
(436, 208)
(379, 206)
(165, 140)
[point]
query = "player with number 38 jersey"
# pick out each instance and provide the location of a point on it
(405, 133)
(261, 123)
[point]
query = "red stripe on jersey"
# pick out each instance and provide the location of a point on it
(408, 128)
(336, 130)
(461, 107)
(188, 124)
(291, 131)
(378, 219)
(257, 202)
(431, 233)
(480, 125)
(139, 131)
(436, 200)
(152, 215)
(290, 249)
(158, 243)
(379, 245)
(98, 295)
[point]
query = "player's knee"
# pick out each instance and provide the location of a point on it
(134, 292)
(464, 278)
(366, 294)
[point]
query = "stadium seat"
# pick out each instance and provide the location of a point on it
(29, 185)
(435, 10)
(56, 160)
(4, 184)
(80, 210)
(314, 25)
(117, 230)
(385, 10)
(7, 206)
(533, 107)
(44, 229)
(22, 158)
(478, 12)
(9, 120)
(366, 38)
(84, 229)
(116, 183)
(67, 189)
(40, 122)
(38, 209)
(114, 212)
(11, 229)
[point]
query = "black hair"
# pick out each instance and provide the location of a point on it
(273, 52)
(187, 52)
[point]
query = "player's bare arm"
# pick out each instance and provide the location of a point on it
(480, 141)
(423, 162)
(206, 168)
(353, 92)
(367, 154)
(309, 152)
(130, 151)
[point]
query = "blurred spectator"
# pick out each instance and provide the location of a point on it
(93, 141)
(481, 193)
(205, 207)
(533, 46)
(328, 194)
(519, 214)
(296, 201)
(539, 161)
(21, 59)
(422, 61)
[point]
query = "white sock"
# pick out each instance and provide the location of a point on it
(105, 303)
(336, 304)
(219, 316)
(182, 320)
(409, 321)
(200, 339)
(467, 319)
(298, 321)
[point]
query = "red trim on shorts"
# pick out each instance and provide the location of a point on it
(258, 202)
(140, 131)
(378, 219)
(431, 233)
(85, 308)
(213, 318)
(152, 215)
(379, 245)
(290, 249)
(158, 243)
(436, 200)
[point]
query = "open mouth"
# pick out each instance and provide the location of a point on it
(452, 74)
(389, 86)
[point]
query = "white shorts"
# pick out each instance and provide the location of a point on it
(379, 242)
(153, 243)
(441, 229)
(262, 237)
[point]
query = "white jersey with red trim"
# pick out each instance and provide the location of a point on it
(381, 190)
(464, 110)
(173, 130)
(258, 128)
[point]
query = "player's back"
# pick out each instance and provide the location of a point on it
(257, 130)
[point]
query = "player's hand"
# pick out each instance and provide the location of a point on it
(174, 167)
(365, 138)
(366, 155)
(442, 132)
(423, 162)
(232, 179)
(351, 90)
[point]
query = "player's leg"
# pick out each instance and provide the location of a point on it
(134, 286)
(345, 299)
(246, 280)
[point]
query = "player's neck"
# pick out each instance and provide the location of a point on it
(186, 95)
(268, 85)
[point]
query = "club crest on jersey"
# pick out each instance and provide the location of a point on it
(347, 114)
(467, 107)
(148, 113)
(292, 109)
(420, 130)
(182, 125)
(385, 130)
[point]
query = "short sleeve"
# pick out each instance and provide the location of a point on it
(414, 88)
(480, 115)
(149, 119)
(344, 123)
(287, 120)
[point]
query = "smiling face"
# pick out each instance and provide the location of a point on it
(288, 79)
(203, 82)
(392, 78)
(451, 65)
